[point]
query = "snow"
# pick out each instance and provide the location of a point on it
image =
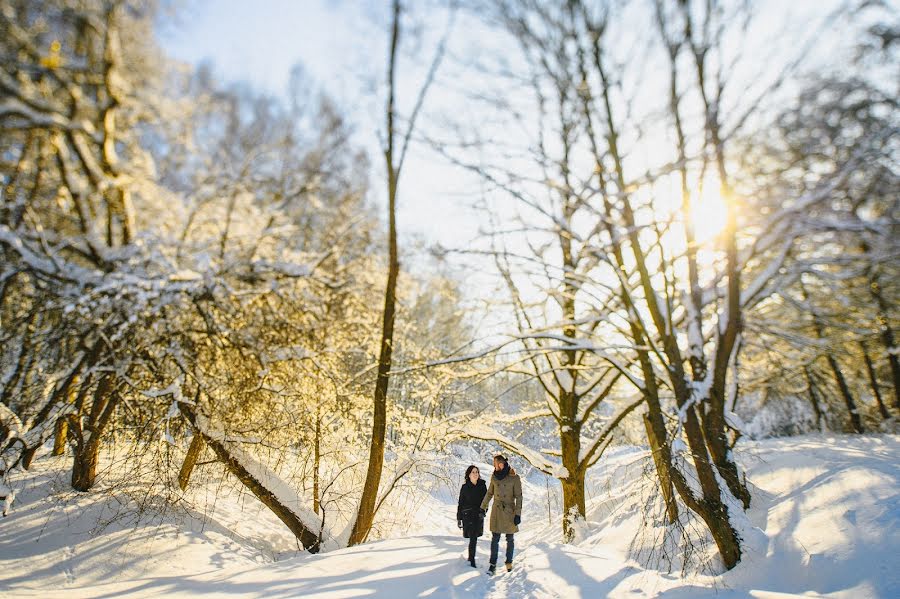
(734, 421)
(11, 422)
(826, 510)
(282, 491)
(477, 430)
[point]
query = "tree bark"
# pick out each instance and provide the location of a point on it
(28, 455)
(88, 440)
(317, 458)
(855, 421)
(887, 339)
(811, 390)
(873, 381)
(720, 452)
(573, 484)
(366, 514)
(713, 415)
(59, 440)
(710, 508)
(84, 468)
(62, 425)
(573, 503)
(190, 460)
(662, 471)
(885, 331)
(308, 539)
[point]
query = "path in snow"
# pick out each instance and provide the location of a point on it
(829, 508)
(428, 566)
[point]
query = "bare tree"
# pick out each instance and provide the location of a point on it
(395, 148)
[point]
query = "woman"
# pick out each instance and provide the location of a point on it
(468, 513)
(506, 491)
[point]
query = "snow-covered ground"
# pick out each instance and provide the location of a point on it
(828, 509)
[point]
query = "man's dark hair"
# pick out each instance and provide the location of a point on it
(502, 458)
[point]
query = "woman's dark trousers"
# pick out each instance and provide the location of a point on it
(495, 547)
(473, 541)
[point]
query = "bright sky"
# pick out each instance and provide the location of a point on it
(342, 44)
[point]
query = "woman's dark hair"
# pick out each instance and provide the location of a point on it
(469, 471)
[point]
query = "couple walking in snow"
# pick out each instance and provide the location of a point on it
(506, 490)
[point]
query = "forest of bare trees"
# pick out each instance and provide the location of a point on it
(688, 253)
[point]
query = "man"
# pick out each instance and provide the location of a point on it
(506, 491)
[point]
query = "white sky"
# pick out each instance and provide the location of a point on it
(342, 44)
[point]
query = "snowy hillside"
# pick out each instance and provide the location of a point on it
(829, 508)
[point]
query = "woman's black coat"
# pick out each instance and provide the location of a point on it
(469, 508)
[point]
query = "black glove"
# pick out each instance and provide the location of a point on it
(517, 520)
(459, 523)
(482, 514)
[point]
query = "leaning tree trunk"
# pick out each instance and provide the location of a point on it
(190, 460)
(307, 538)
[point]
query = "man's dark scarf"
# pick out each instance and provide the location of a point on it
(501, 474)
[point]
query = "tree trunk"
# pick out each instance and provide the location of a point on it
(87, 441)
(887, 336)
(307, 537)
(662, 471)
(573, 484)
(811, 390)
(19, 373)
(573, 503)
(710, 508)
(28, 455)
(719, 450)
(84, 468)
(873, 381)
(62, 425)
(365, 516)
(190, 460)
(855, 421)
(59, 440)
(714, 511)
(317, 458)
(885, 330)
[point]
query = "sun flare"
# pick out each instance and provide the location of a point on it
(709, 215)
